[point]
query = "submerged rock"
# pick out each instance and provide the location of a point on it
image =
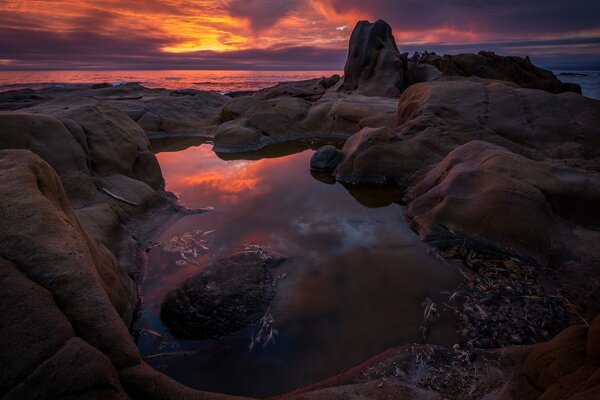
(326, 159)
(225, 297)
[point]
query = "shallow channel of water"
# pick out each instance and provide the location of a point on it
(352, 285)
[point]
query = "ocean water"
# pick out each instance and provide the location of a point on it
(220, 81)
(589, 81)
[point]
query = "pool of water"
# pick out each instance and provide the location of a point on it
(352, 286)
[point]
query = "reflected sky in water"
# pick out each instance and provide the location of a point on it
(354, 278)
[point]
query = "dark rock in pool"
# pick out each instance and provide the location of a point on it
(225, 297)
(326, 159)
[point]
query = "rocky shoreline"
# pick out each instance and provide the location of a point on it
(499, 174)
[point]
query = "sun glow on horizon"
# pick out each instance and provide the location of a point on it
(224, 33)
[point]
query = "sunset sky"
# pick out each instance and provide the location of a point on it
(284, 34)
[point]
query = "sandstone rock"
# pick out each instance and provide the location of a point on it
(434, 118)
(489, 65)
(325, 159)
(33, 328)
(223, 298)
(76, 371)
(252, 123)
(494, 198)
(374, 66)
(311, 89)
(51, 248)
(567, 367)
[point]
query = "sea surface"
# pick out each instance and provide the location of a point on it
(220, 81)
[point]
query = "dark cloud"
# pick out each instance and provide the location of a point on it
(262, 14)
(508, 18)
(101, 38)
(89, 50)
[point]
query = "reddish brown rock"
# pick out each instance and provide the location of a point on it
(491, 197)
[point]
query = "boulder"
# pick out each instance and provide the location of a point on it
(326, 159)
(492, 198)
(374, 66)
(223, 298)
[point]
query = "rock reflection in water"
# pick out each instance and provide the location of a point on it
(354, 279)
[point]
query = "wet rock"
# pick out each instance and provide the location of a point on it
(225, 297)
(326, 159)
(374, 66)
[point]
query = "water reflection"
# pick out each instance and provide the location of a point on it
(354, 279)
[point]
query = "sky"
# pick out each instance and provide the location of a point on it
(284, 34)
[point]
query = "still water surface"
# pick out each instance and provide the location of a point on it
(351, 286)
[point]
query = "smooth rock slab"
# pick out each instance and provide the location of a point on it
(225, 297)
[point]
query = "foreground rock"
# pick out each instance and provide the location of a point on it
(498, 199)
(225, 297)
(80, 192)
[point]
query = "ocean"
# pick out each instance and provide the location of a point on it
(220, 81)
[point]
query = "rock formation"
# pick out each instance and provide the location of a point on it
(488, 65)
(223, 298)
(374, 66)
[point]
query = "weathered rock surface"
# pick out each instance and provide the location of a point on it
(374, 66)
(311, 89)
(159, 112)
(251, 123)
(65, 301)
(223, 298)
(434, 118)
(566, 368)
(486, 194)
(489, 65)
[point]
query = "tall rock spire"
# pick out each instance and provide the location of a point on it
(374, 66)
